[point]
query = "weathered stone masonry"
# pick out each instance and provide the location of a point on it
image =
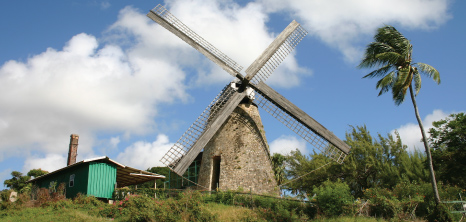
(241, 148)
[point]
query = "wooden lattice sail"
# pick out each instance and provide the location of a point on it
(250, 84)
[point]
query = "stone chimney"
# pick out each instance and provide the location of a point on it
(73, 152)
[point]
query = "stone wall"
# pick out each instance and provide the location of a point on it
(244, 155)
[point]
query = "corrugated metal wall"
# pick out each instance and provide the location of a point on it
(102, 178)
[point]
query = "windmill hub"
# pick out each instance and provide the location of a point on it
(239, 86)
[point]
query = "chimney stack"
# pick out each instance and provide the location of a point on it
(73, 152)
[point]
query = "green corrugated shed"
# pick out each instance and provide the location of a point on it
(102, 179)
(96, 177)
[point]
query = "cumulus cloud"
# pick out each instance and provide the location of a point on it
(286, 143)
(50, 162)
(344, 23)
(143, 155)
(84, 88)
(115, 84)
(411, 134)
(239, 32)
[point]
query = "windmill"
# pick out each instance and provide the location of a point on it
(249, 85)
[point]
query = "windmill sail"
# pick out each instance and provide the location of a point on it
(185, 150)
(275, 53)
(301, 123)
(162, 16)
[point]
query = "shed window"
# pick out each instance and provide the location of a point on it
(71, 180)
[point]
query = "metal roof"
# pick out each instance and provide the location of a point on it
(125, 175)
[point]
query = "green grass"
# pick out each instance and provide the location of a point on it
(350, 219)
(233, 213)
(49, 214)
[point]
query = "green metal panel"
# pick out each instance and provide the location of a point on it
(102, 179)
(80, 180)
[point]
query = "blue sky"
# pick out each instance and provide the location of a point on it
(129, 88)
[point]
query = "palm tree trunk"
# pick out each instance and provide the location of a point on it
(426, 146)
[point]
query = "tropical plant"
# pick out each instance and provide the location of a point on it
(278, 162)
(448, 140)
(391, 55)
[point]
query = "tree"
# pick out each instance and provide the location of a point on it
(164, 171)
(382, 162)
(18, 181)
(37, 173)
(448, 140)
(278, 164)
(391, 54)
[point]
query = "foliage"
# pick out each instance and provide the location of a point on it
(278, 164)
(448, 139)
(271, 208)
(440, 214)
(331, 197)
(17, 182)
(159, 182)
(391, 53)
(383, 163)
(298, 164)
(383, 203)
(37, 173)
(371, 163)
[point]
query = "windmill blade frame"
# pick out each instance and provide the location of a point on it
(275, 53)
(300, 122)
(162, 16)
(185, 150)
(191, 143)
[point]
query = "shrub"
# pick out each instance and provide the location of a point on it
(440, 214)
(87, 202)
(383, 203)
(331, 197)
(140, 208)
(43, 195)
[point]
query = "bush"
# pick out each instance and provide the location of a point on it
(331, 197)
(87, 202)
(383, 203)
(440, 214)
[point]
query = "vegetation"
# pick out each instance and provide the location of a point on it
(18, 182)
(448, 139)
(159, 182)
(372, 163)
(379, 180)
(391, 54)
(278, 167)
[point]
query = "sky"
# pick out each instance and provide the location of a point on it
(129, 88)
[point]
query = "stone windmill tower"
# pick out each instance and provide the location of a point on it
(237, 151)
(229, 130)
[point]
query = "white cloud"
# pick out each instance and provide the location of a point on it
(239, 32)
(411, 134)
(50, 162)
(143, 155)
(286, 143)
(86, 87)
(105, 5)
(114, 141)
(344, 23)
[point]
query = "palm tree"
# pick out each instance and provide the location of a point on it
(278, 162)
(391, 55)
